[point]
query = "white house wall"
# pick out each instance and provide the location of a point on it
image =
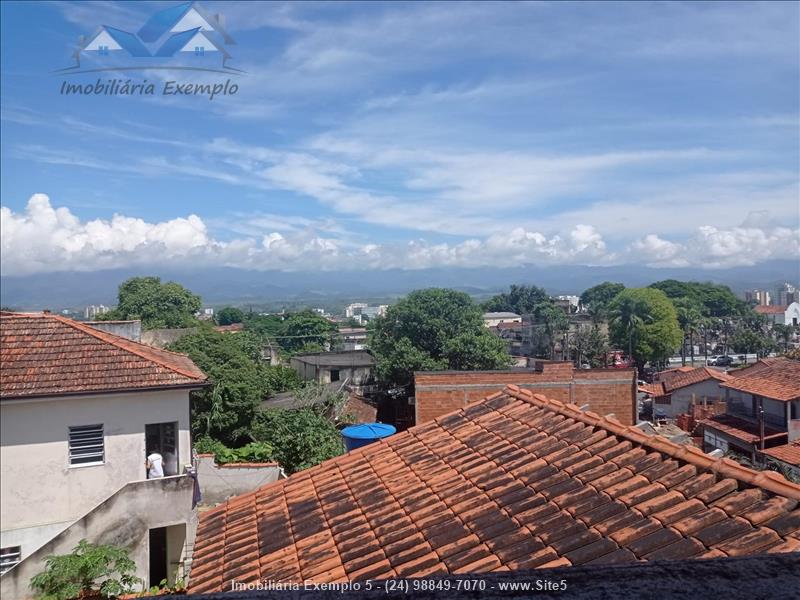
(682, 398)
(41, 493)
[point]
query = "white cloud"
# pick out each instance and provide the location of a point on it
(710, 247)
(45, 239)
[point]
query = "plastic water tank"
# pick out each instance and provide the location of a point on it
(356, 436)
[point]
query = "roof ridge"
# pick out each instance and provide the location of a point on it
(124, 344)
(771, 481)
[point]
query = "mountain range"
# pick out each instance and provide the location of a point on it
(241, 287)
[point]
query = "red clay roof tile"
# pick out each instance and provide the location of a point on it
(50, 355)
(382, 511)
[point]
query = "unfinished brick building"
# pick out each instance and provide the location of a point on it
(606, 391)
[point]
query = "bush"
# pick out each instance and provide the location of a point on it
(301, 438)
(68, 576)
(254, 452)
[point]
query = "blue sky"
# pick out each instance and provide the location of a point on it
(382, 135)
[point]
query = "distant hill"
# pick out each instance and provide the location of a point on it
(238, 286)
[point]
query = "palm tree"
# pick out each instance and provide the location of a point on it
(689, 318)
(630, 314)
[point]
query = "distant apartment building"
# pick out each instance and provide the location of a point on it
(760, 297)
(351, 310)
(206, 314)
(786, 295)
(605, 391)
(362, 312)
(93, 311)
(80, 410)
(763, 409)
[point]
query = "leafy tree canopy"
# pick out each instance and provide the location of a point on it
(433, 329)
(748, 341)
(596, 299)
(520, 299)
(240, 381)
(644, 321)
(157, 304)
(715, 300)
(229, 315)
(300, 438)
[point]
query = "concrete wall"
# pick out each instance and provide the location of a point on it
(322, 374)
(220, 482)
(680, 399)
(604, 390)
(131, 330)
(162, 338)
(41, 493)
(123, 519)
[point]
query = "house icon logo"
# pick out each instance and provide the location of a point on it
(182, 37)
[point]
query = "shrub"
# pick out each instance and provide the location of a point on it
(252, 452)
(90, 567)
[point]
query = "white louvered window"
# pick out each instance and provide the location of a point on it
(9, 557)
(86, 445)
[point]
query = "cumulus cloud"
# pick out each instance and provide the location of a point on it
(710, 246)
(44, 239)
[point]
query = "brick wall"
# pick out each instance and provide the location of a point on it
(604, 390)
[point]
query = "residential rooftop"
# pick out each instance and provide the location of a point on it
(778, 379)
(49, 355)
(514, 482)
(501, 315)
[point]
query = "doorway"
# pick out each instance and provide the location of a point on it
(163, 438)
(158, 556)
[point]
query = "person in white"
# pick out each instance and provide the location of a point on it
(155, 465)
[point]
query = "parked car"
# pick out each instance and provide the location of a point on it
(712, 360)
(724, 361)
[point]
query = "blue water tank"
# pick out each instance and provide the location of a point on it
(357, 436)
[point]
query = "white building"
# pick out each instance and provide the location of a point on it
(80, 410)
(92, 311)
(493, 319)
(782, 315)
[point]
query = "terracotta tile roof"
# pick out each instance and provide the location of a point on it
(779, 379)
(770, 310)
(513, 482)
(45, 355)
(684, 379)
(790, 453)
(741, 429)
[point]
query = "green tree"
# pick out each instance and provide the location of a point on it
(156, 304)
(433, 329)
(306, 332)
(555, 323)
(229, 315)
(240, 381)
(783, 333)
(89, 567)
(300, 438)
(716, 300)
(597, 299)
(644, 321)
(591, 345)
(690, 317)
(751, 342)
(520, 299)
